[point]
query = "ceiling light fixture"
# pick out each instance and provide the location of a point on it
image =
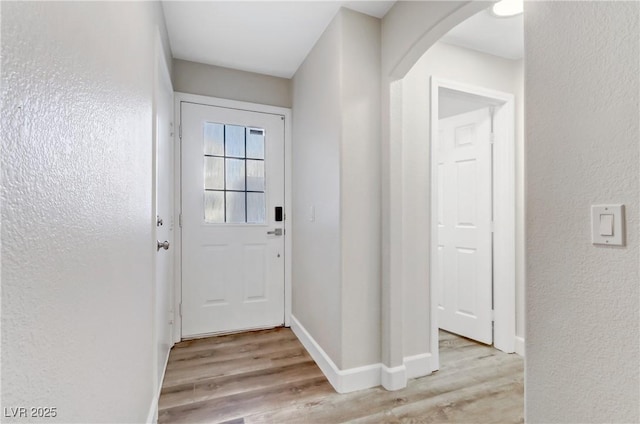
(507, 8)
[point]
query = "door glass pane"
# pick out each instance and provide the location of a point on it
(255, 208)
(234, 141)
(213, 173)
(214, 206)
(255, 175)
(255, 143)
(213, 139)
(235, 174)
(235, 207)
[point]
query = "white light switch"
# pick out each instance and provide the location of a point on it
(607, 225)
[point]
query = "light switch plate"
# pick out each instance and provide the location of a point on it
(600, 227)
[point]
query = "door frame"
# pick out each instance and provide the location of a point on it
(504, 210)
(250, 107)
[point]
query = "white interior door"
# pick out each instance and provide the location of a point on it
(464, 239)
(164, 171)
(232, 234)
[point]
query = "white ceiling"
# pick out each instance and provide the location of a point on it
(267, 37)
(484, 32)
(274, 37)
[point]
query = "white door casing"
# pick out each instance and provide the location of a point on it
(504, 212)
(464, 214)
(232, 272)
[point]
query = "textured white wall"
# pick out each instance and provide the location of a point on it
(216, 81)
(317, 290)
(77, 312)
(582, 301)
(463, 66)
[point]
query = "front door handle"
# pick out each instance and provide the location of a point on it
(276, 232)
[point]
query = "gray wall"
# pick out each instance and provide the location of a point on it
(216, 81)
(317, 291)
(582, 301)
(360, 188)
(336, 162)
(77, 224)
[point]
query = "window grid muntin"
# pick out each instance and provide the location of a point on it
(224, 158)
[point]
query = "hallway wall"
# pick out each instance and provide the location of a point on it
(583, 301)
(336, 156)
(77, 224)
(317, 297)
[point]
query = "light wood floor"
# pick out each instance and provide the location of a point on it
(268, 377)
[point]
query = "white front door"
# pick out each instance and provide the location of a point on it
(464, 248)
(232, 219)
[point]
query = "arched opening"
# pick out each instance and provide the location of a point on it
(409, 333)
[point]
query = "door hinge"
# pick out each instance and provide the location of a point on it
(493, 315)
(180, 220)
(492, 138)
(492, 226)
(180, 131)
(180, 309)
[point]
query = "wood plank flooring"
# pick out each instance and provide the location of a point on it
(268, 377)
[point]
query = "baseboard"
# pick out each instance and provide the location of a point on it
(152, 416)
(393, 378)
(366, 377)
(418, 365)
(520, 346)
(413, 367)
(343, 381)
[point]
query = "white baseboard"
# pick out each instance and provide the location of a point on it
(418, 365)
(360, 378)
(343, 381)
(365, 377)
(520, 346)
(393, 378)
(152, 416)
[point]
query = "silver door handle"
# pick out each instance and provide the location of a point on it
(163, 245)
(276, 232)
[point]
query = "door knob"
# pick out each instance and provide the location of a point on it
(163, 245)
(276, 232)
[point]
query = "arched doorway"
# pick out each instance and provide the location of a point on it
(407, 350)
